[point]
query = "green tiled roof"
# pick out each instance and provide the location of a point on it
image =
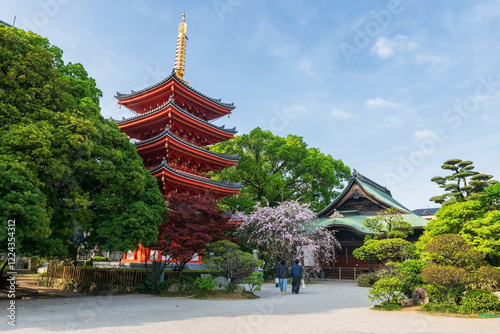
(379, 193)
(356, 222)
(382, 196)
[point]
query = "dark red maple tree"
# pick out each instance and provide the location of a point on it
(193, 223)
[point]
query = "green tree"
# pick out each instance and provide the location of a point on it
(476, 219)
(380, 251)
(458, 185)
(388, 224)
(66, 172)
(228, 259)
(274, 169)
(452, 250)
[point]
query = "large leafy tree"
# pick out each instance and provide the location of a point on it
(65, 172)
(288, 231)
(477, 220)
(387, 241)
(274, 169)
(193, 223)
(463, 182)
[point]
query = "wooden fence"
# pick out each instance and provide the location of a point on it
(350, 273)
(103, 276)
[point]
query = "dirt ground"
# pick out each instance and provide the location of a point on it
(321, 308)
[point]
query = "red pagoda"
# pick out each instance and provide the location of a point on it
(173, 131)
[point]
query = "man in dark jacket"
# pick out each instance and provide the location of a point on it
(283, 274)
(296, 274)
(276, 273)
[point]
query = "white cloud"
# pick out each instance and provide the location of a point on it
(380, 103)
(425, 134)
(342, 114)
(306, 66)
(391, 122)
(384, 48)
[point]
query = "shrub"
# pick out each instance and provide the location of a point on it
(442, 294)
(186, 287)
(163, 286)
(409, 272)
(388, 306)
(453, 250)
(367, 280)
(485, 278)
(205, 283)
(440, 307)
(230, 261)
(446, 276)
(88, 263)
(254, 281)
(387, 290)
(188, 279)
(231, 286)
(476, 301)
(146, 286)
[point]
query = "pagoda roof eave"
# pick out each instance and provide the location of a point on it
(121, 97)
(189, 178)
(170, 102)
(202, 150)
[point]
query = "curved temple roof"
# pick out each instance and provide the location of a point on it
(331, 217)
(221, 184)
(168, 133)
(172, 103)
(120, 96)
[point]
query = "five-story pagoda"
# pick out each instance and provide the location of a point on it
(173, 131)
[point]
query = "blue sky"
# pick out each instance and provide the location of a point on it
(392, 88)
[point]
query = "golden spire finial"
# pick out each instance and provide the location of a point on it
(180, 52)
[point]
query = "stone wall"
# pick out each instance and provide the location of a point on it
(83, 287)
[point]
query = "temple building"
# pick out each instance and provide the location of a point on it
(172, 130)
(362, 198)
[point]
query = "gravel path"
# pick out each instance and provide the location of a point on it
(327, 307)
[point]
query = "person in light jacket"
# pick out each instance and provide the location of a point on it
(283, 274)
(296, 274)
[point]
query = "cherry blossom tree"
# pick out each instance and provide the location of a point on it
(288, 231)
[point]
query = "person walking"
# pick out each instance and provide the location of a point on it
(296, 273)
(283, 274)
(276, 273)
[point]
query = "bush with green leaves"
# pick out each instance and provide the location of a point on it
(145, 286)
(230, 261)
(205, 283)
(453, 250)
(163, 286)
(367, 280)
(254, 281)
(387, 289)
(231, 286)
(442, 294)
(388, 306)
(446, 276)
(88, 263)
(409, 272)
(445, 307)
(477, 301)
(485, 278)
(186, 287)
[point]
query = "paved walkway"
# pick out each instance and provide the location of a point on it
(322, 308)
